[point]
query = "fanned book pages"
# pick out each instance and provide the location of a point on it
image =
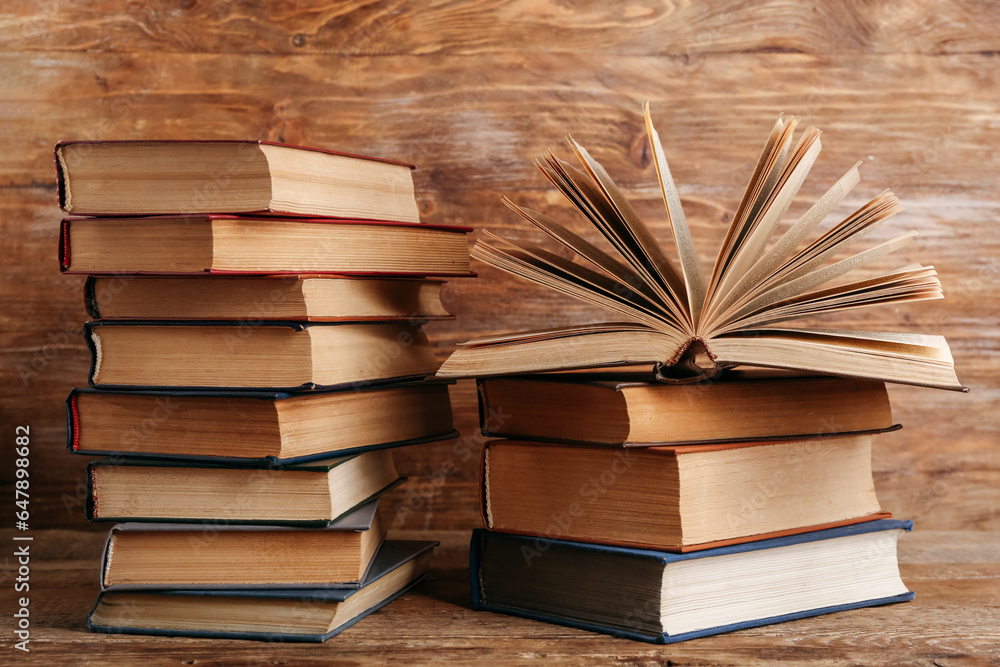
(692, 325)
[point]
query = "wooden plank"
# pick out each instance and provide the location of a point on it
(475, 123)
(954, 620)
(492, 26)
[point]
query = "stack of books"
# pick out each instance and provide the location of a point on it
(666, 512)
(257, 352)
(728, 483)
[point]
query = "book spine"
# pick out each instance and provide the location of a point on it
(484, 407)
(72, 423)
(475, 557)
(480, 601)
(90, 507)
(106, 555)
(483, 509)
(60, 175)
(64, 254)
(90, 298)
(89, 336)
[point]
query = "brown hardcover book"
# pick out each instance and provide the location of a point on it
(272, 355)
(677, 498)
(309, 298)
(256, 427)
(166, 555)
(282, 615)
(143, 177)
(693, 324)
(200, 244)
(634, 410)
(315, 492)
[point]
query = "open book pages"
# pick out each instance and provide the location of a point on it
(694, 325)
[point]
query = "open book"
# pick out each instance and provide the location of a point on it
(693, 326)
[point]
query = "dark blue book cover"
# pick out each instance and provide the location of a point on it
(617, 590)
(398, 566)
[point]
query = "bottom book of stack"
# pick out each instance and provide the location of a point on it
(286, 613)
(665, 597)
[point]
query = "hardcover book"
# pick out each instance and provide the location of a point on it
(151, 354)
(226, 555)
(695, 326)
(297, 615)
(310, 298)
(631, 410)
(316, 493)
(677, 498)
(141, 177)
(215, 243)
(256, 428)
(665, 598)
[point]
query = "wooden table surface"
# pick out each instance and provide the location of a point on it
(954, 620)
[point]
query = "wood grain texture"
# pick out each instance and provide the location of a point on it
(401, 27)
(471, 92)
(954, 620)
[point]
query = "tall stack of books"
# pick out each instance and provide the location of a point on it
(257, 352)
(728, 484)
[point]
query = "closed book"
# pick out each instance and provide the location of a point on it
(310, 298)
(679, 498)
(663, 598)
(141, 177)
(281, 615)
(315, 493)
(224, 244)
(632, 409)
(236, 355)
(228, 555)
(256, 428)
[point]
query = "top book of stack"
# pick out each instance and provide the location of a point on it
(244, 207)
(123, 178)
(695, 325)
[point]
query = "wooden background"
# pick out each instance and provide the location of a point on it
(471, 92)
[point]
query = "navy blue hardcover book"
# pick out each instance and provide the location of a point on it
(256, 428)
(663, 597)
(269, 615)
(279, 356)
